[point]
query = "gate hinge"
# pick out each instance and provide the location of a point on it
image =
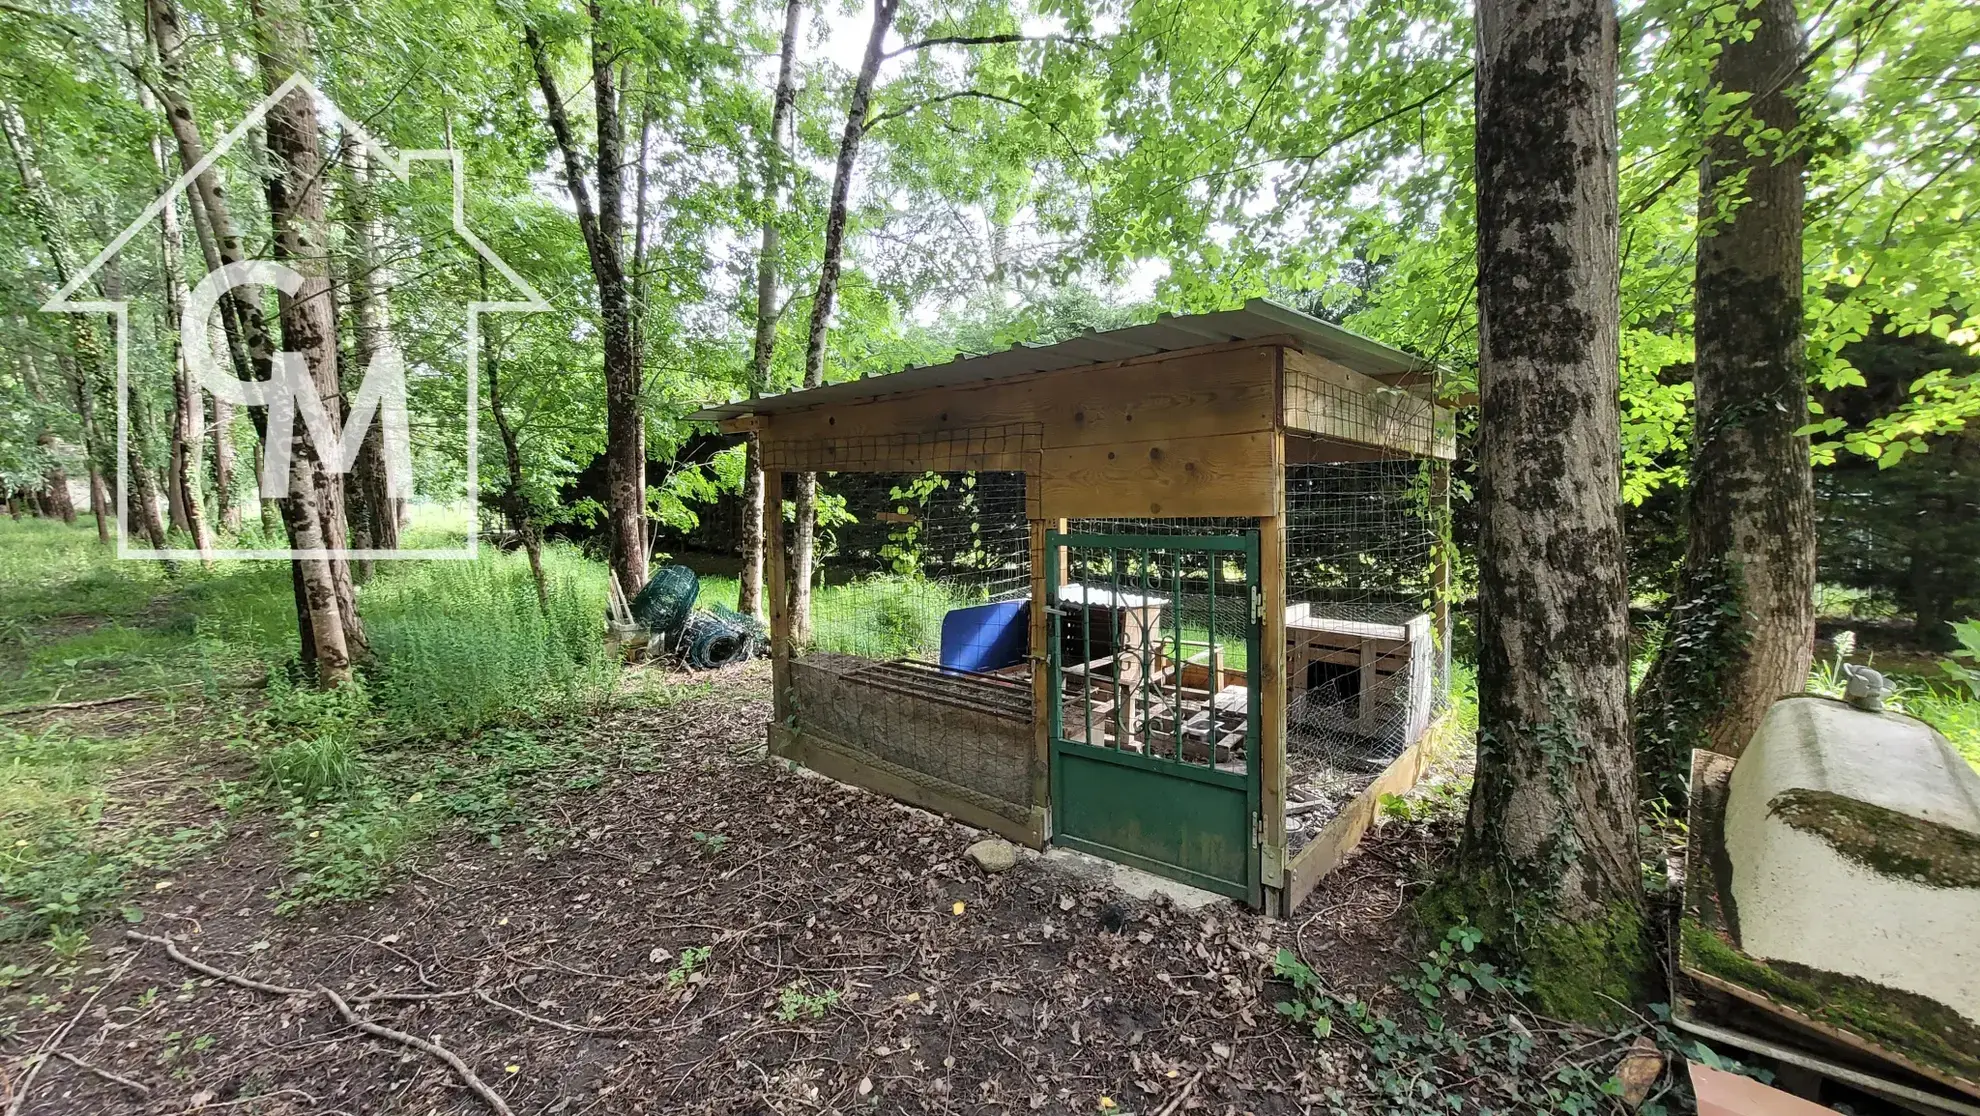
(1257, 830)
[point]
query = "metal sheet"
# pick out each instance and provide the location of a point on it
(1258, 319)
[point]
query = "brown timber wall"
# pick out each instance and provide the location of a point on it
(958, 748)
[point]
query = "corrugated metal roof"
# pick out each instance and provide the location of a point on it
(1260, 318)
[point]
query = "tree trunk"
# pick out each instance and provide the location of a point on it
(249, 343)
(515, 497)
(85, 369)
(603, 229)
(59, 503)
(314, 507)
(182, 483)
(802, 538)
(225, 329)
(1548, 862)
(375, 511)
(750, 590)
(1742, 628)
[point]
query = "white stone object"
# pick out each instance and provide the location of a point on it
(1804, 897)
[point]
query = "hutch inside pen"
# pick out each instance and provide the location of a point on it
(1234, 522)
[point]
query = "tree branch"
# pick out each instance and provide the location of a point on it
(983, 40)
(878, 119)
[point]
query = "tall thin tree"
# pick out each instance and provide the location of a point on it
(775, 155)
(1548, 859)
(313, 507)
(603, 226)
(806, 509)
(1742, 628)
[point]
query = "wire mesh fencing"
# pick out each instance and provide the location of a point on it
(897, 552)
(1364, 672)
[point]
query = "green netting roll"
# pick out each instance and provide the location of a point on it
(664, 603)
(709, 641)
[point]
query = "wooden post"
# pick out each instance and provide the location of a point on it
(1041, 666)
(1272, 683)
(1440, 571)
(780, 607)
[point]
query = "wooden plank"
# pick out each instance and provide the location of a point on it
(780, 612)
(1334, 402)
(1041, 667)
(842, 762)
(1228, 475)
(1225, 390)
(1272, 698)
(1339, 837)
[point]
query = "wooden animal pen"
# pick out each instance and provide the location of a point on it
(1236, 523)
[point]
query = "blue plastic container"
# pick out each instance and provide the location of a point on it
(986, 637)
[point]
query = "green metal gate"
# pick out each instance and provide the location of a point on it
(1155, 754)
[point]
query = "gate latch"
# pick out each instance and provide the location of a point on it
(1258, 603)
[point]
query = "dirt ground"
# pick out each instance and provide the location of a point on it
(854, 960)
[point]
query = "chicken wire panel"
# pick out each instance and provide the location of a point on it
(897, 552)
(1364, 673)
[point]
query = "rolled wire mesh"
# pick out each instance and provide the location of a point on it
(1364, 674)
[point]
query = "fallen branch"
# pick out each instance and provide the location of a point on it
(138, 1087)
(574, 1028)
(235, 979)
(54, 1041)
(460, 1068)
(479, 1086)
(1181, 1097)
(92, 703)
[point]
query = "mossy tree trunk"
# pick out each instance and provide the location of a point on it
(603, 226)
(1548, 863)
(1742, 628)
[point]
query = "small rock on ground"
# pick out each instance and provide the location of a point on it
(992, 855)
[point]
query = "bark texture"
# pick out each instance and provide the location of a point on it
(314, 507)
(1548, 860)
(603, 226)
(749, 590)
(802, 538)
(1742, 629)
(375, 512)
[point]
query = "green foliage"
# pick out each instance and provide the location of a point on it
(711, 844)
(691, 960)
(63, 865)
(1963, 666)
(797, 1000)
(461, 645)
(1414, 1062)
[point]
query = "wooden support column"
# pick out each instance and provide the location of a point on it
(780, 608)
(1272, 683)
(1041, 663)
(1440, 570)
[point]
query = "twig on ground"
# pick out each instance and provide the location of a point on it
(172, 950)
(54, 1041)
(1182, 1096)
(467, 1076)
(138, 1087)
(574, 1028)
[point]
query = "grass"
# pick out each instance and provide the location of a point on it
(447, 725)
(1934, 699)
